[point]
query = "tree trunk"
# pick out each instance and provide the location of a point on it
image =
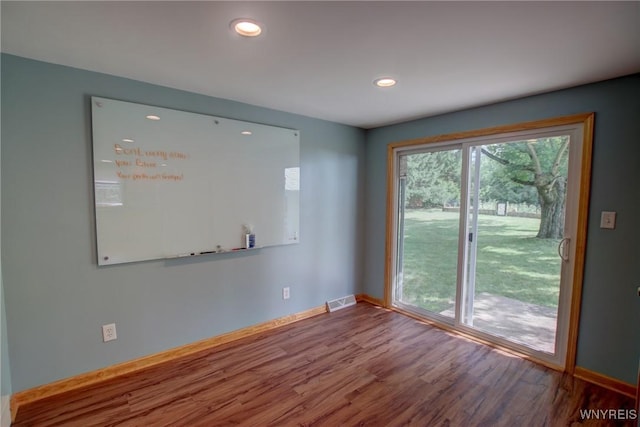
(552, 204)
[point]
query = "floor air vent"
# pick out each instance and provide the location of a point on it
(337, 304)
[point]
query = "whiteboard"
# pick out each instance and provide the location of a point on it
(171, 183)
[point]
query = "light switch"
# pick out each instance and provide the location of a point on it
(608, 220)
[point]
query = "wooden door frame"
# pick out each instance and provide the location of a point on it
(586, 120)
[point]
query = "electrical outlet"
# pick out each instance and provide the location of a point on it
(286, 293)
(109, 332)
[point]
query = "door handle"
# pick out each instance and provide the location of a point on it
(562, 249)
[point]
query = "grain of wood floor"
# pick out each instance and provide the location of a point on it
(361, 366)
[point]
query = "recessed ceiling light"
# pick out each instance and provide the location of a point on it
(385, 82)
(246, 27)
(246, 132)
(127, 140)
(152, 117)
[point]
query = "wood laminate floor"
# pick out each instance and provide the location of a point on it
(361, 366)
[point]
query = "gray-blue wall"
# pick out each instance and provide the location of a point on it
(5, 366)
(56, 296)
(5, 384)
(609, 339)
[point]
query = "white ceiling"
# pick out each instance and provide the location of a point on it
(319, 58)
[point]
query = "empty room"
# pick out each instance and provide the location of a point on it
(329, 213)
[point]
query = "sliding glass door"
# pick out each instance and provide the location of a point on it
(516, 221)
(429, 182)
(483, 236)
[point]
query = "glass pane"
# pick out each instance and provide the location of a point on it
(516, 220)
(429, 230)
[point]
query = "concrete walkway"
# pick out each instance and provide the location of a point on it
(531, 325)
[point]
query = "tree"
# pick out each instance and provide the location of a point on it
(542, 164)
(498, 186)
(433, 178)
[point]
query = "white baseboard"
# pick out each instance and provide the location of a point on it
(5, 417)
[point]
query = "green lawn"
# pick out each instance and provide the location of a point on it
(512, 262)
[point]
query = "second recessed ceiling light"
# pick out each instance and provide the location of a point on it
(385, 82)
(246, 27)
